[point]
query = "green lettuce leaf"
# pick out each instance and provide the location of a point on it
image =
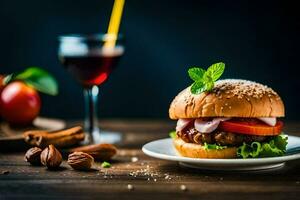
(213, 146)
(172, 134)
(275, 147)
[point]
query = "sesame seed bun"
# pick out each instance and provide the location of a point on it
(229, 98)
(193, 150)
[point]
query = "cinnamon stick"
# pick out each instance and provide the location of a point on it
(98, 151)
(62, 138)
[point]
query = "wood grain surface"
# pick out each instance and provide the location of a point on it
(146, 178)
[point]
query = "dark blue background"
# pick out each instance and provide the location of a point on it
(258, 40)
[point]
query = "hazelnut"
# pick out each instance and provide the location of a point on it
(33, 156)
(51, 157)
(80, 161)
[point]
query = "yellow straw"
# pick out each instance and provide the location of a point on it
(114, 23)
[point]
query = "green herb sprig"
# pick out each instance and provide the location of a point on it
(204, 79)
(106, 164)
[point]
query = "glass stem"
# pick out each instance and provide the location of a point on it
(91, 120)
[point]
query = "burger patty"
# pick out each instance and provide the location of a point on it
(191, 135)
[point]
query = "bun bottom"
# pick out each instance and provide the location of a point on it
(193, 150)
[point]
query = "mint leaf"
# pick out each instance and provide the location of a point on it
(275, 147)
(209, 86)
(213, 146)
(198, 87)
(106, 164)
(205, 80)
(216, 70)
(196, 73)
(172, 134)
(40, 79)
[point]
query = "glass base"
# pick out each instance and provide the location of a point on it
(99, 137)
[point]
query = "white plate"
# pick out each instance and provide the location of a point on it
(163, 149)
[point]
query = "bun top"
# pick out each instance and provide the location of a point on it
(229, 98)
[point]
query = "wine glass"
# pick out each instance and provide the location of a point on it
(91, 59)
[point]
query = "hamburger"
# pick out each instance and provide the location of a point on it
(236, 118)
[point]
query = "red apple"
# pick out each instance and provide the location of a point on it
(19, 103)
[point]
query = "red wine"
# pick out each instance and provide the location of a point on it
(91, 69)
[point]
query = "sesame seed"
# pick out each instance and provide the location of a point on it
(242, 88)
(134, 159)
(130, 187)
(183, 187)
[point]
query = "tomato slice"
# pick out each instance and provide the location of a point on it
(251, 127)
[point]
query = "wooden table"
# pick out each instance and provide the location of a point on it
(147, 177)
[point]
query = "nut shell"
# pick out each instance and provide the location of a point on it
(51, 157)
(80, 161)
(33, 156)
